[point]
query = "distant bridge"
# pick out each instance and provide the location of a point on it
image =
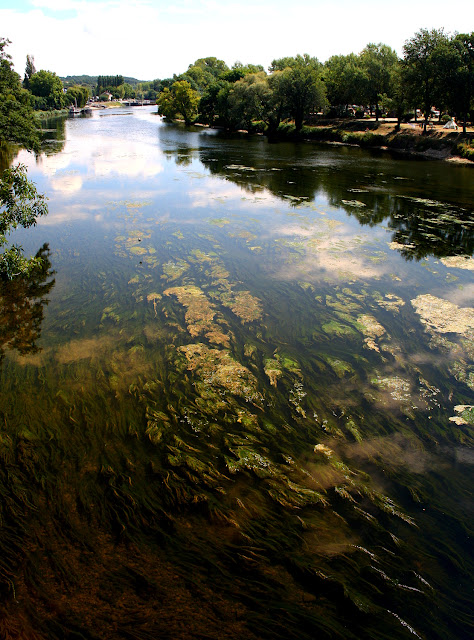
(136, 103)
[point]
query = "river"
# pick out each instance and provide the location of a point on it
(237, 403)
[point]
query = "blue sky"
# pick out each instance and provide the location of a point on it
(150, 39)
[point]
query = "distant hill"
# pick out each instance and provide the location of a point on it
(91, 81)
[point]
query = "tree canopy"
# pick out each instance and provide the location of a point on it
(17, 122)
(20, 203)
(180, 100)
(48, 89)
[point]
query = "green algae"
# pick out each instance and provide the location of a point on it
(335, 328)
(340, 368)
(219, 222)
(172, 270)
(138, 251)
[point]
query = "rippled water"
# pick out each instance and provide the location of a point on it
(241, 404)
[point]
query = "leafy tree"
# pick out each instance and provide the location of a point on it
(248, 99)
(397, 101)
(214, 106)
(462, 76)
(30, 69)
(301, 89)
(274, 110)
(378, 61)
(423, 55)
(17, 123)
(213, 65)
(239, 71)
(77, 96)
(181, 100)
(186, 101)
(48, 86)
(20, 203)
(107, 83)
(344, 79)
(297, 61)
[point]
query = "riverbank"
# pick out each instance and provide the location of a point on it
(52, 113)
(437, 143)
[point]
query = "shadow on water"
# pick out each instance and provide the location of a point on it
(421, 227)
(22, 302)
(53, 135)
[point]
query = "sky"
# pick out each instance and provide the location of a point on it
(148, 39)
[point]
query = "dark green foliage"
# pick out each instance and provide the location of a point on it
(22, 303)
(421, 68)
(461, 76)
(181, 101)
(466, 151)
(20, 205)
(104, 82)
(77, 96)
(378, 62)
(17, 122)
(47, 89)
(30, 69)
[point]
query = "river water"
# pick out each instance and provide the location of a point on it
(238, 405)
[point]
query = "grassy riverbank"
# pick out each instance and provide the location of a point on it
(52, 113)
(436, 143)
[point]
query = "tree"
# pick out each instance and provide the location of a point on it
(77, 95)
(344, 79)
(181, 100)
(421, 68)
(378, 61)
(299, 60)
(20, 203)
(47, 86)
(214, 104)
(166, 105)
(300, 86)
(397, 101)
(30, 69)
(462, 89)
(17, 123)
(248, 99)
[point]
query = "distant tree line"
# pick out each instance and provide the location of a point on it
(436, 70)
(103, 82)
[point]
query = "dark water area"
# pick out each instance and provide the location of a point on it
(237, 402)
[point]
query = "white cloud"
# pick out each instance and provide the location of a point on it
(67, 184)
(154, 38)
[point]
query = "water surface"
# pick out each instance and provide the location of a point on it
(241, 405)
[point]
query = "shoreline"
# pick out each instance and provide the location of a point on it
(436, 144)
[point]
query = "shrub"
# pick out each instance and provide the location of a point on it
(367, 139)
(445, 118)
(465, 150)
(258, 126)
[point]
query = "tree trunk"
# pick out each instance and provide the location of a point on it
(298, 122)
(376, 112)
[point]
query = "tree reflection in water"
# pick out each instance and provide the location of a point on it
(22, 303)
